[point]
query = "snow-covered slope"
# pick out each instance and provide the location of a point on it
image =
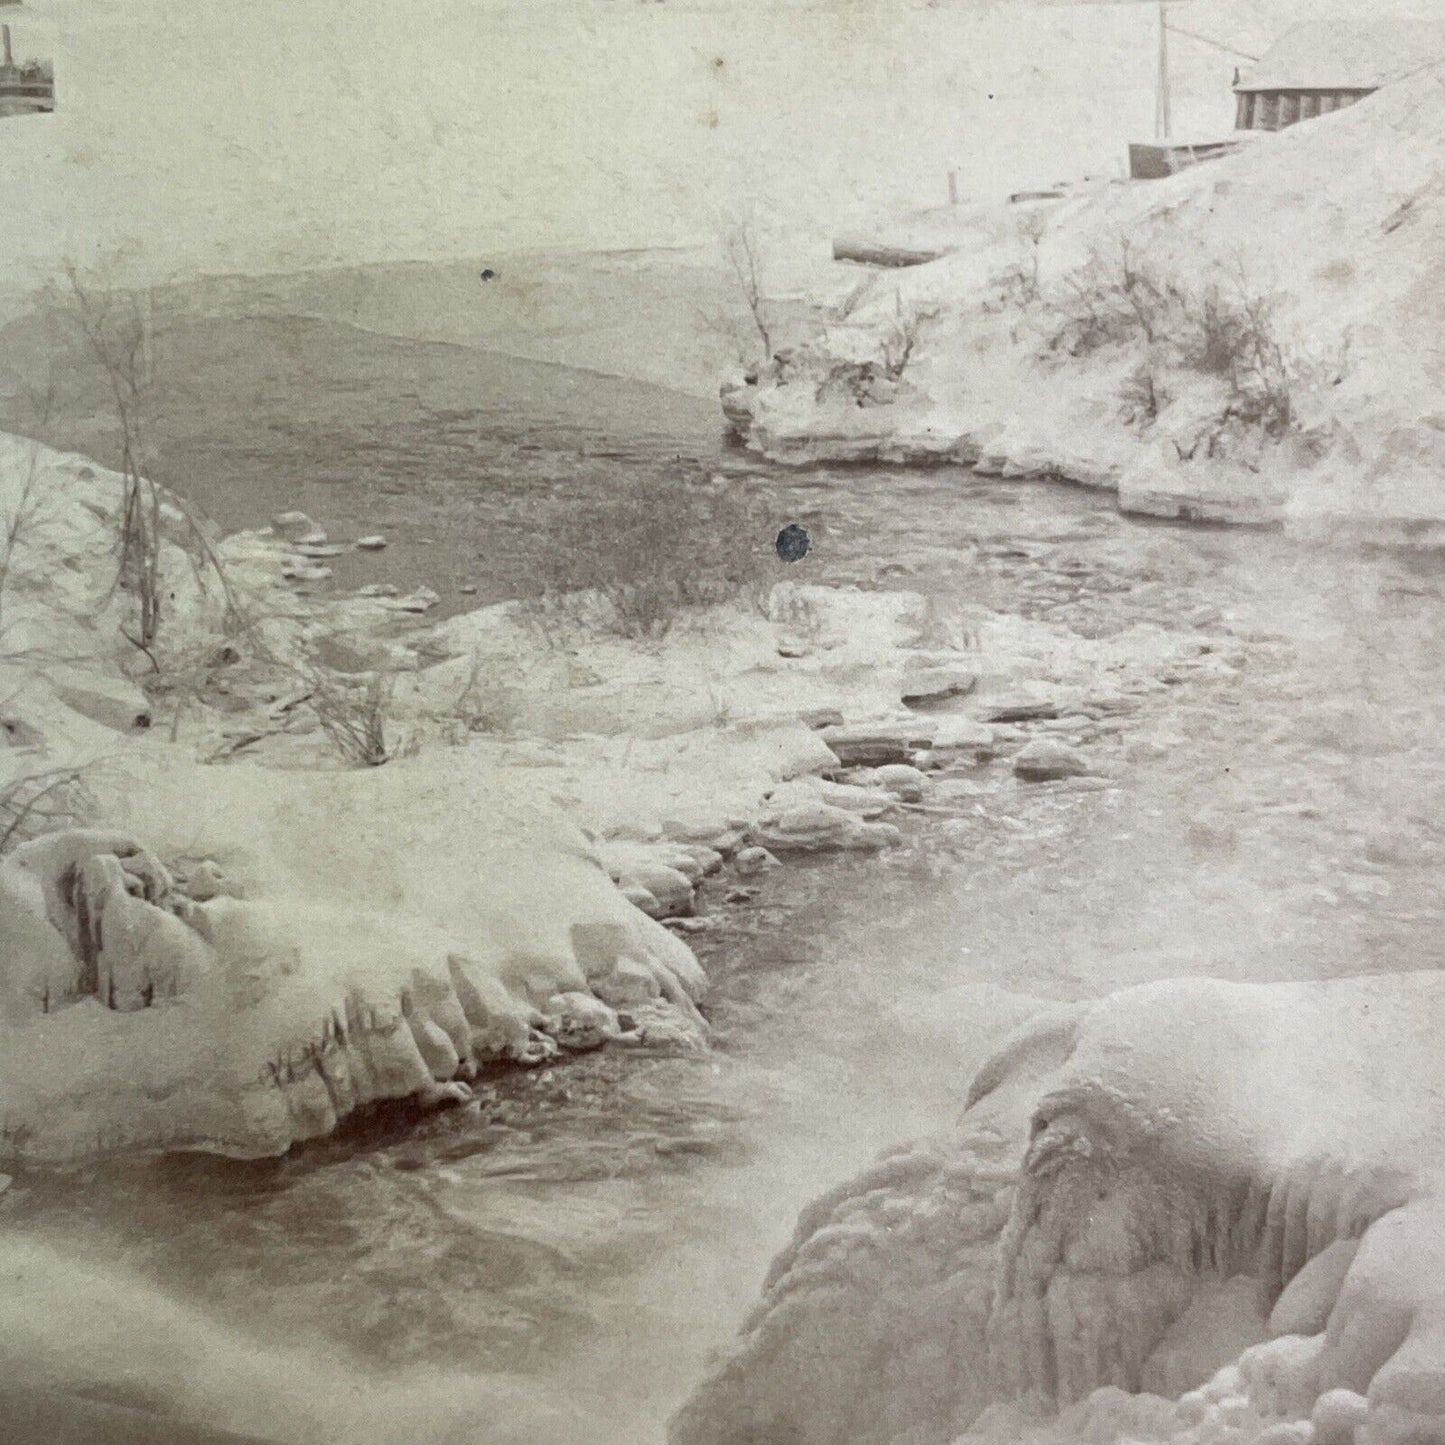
(1076, 341)
(1194, 1211)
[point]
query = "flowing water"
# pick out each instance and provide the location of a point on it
(591, 1231)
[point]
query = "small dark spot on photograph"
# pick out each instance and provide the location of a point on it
(793, 543)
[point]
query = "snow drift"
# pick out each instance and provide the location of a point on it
(1193, 1211)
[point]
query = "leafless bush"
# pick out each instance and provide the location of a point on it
(641, 561)
(744, 258)
(1090, 312)
(18, 523)
(1020, 284)
(487, 702)
(32, 803)
(354, 713)
(1225, 330)
(1261, 382)
(856, 296)
(901, 339)
(1143, 398)
(116, 334)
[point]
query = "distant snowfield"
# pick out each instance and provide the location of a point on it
(275, 136)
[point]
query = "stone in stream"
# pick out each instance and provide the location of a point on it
(935, 683)
(315, 551)
(292, 525)
(819, 826)
(579, 1022)
(821, 717)
(669, 889)
(904, 781)
(305, 572)
(1046, 760)
(374, 542)
(751, 861)
(1020, 709)
(875, 745)
(962, 735)
(422, 600)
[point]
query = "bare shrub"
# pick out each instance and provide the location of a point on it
(744, 257)
(116, 335)
(1261, 378)
(354, 713)
(32, 803)
(856, 296)
(1142, 396)
(1090, 311)
(1213, 338)
(486, 702)
(643, 560)
(17, 525)
(1020, 283)
(1223, 330)
(901, 339)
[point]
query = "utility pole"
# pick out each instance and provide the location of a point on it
(1163, 124)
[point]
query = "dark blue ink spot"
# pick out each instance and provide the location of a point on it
(792, 544)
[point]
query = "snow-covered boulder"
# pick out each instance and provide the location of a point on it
(244, 1011)
(1194, 1211)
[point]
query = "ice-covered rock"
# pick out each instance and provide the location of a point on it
(134, 1015)
(874, 745)
(1180, 1174)
(904, 781)
(815, 814)
(293, 526)
(1047, 760)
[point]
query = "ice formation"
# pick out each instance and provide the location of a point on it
(1195, 1211)
(145, 1009)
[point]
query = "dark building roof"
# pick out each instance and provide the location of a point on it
(1333, 56)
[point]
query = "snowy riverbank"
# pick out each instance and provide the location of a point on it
(551, 791)
(1154, 340)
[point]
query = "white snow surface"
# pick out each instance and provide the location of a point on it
(1194, 1211)
(1335, 223)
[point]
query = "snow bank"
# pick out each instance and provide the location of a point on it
(220, 936)
(1194, 1211)
(314, 941)
(1336, 224)
(147, 1010)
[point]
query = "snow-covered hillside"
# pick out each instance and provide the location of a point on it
(1256, 337)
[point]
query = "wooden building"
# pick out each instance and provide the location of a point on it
(1321, 67)
(25, 89)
